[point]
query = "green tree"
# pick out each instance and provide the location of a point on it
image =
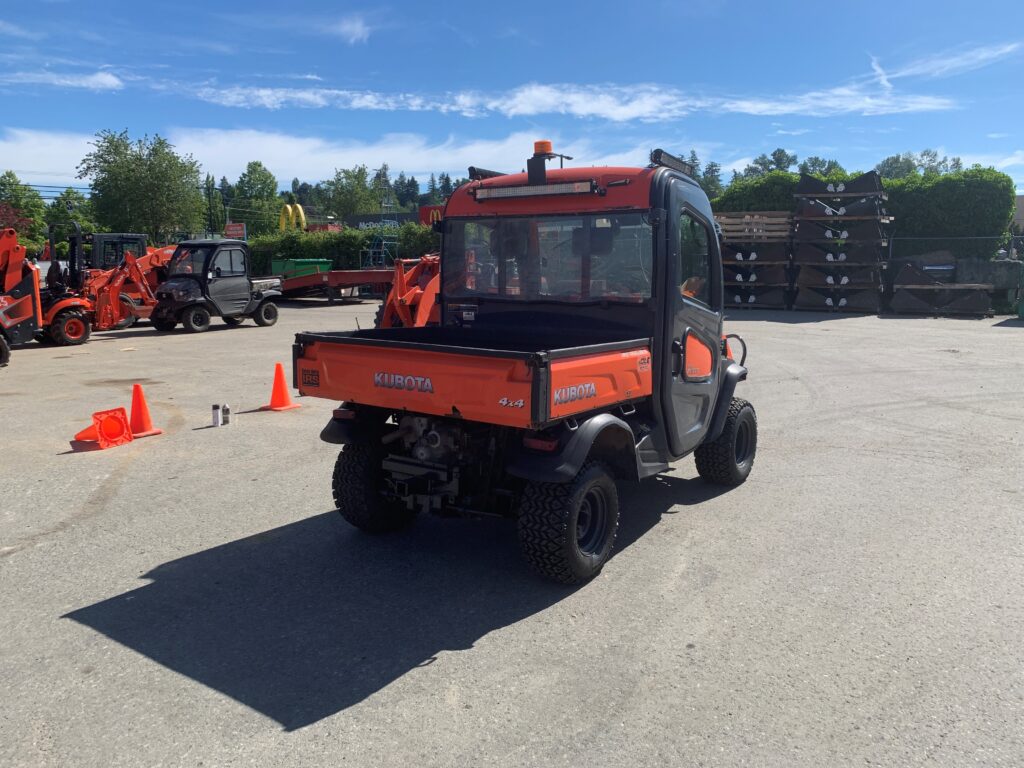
(255, 202)
(27, 204)
(711, 179)
(819, 166)
(349, 192)
(444, 186)
(215, 218)
(779, 160)
(694, 161)
(143, 186)
(72, 206)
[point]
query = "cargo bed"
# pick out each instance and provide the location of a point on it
(479, 376)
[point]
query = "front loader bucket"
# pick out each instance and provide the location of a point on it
(829, 299)
(749, 273)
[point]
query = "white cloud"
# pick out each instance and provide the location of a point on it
(644, 101)
(226, 152)
(997, 135)
(956, 61)
(13, 30)
(880, 74)
(43, 157)
(97, 81)
(794, 132)
(351, 29)
(998, 161)
(616, 103)
(853, 99)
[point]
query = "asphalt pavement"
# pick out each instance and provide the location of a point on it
(193, 599)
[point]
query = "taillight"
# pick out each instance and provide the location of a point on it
(546, 444)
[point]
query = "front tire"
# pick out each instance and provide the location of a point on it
(196, 319)
(5, 352)
(233, 321)
(357, 483)
(567, 530)
(70, 328)
(163, 325)
(265, 314)
(729, 459)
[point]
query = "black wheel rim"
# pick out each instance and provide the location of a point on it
(592, 522)
(198, 319)
(744, 443)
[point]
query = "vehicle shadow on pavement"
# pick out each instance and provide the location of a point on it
(303, 621)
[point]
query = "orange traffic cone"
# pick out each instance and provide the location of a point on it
(280, 399)
(141, 423)
(109, 429)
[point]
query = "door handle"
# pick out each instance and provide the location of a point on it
(677, 357)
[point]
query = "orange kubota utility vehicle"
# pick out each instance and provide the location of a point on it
(580, 342)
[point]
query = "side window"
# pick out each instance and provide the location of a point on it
(238, 262)
(694, 260)
(221, 266)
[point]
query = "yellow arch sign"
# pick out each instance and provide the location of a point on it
(292, 216)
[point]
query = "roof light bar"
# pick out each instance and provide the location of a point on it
(565, 188)
(663, 158)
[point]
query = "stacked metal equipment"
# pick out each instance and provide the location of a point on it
(755, 258)
(839, 243)
(916, 292)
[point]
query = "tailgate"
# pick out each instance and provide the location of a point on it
(514, 389)
(480, 385)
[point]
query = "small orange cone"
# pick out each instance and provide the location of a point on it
(141, 423)
(109, 429)
(280, 399)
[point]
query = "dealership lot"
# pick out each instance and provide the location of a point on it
(193, 599)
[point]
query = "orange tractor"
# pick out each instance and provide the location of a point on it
(73, 299)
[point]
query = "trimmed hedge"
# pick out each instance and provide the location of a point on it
(342, 248)
(771, 192)
(975, 203)
(978, 202)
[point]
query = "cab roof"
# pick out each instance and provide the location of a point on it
(615, 188)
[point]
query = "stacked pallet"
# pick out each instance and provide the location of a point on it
(839, 241)
(915, 292)
(755, 258)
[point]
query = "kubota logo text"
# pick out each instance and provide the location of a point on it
(578, 392)
(399, 381)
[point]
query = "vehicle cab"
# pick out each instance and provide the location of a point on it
(208, 278)
(598, 254)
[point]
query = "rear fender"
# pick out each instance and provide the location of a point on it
(604, 436)
(367, 425)
(258, 299)
(63, 304)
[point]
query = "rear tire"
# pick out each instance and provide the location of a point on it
(729, 459)
(196, 319)
(233, 321)
(265, 314)
(164, 326)
(70, 328)
(567, 530)
(357, 483)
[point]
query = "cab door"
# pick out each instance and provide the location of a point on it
(694, 317)
(228, 281)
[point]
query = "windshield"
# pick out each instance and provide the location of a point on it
(606, 256)
(188, 261)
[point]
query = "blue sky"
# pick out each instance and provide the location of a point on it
(310, 86)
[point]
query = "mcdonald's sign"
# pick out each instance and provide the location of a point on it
(430, 213)
(292, 217)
